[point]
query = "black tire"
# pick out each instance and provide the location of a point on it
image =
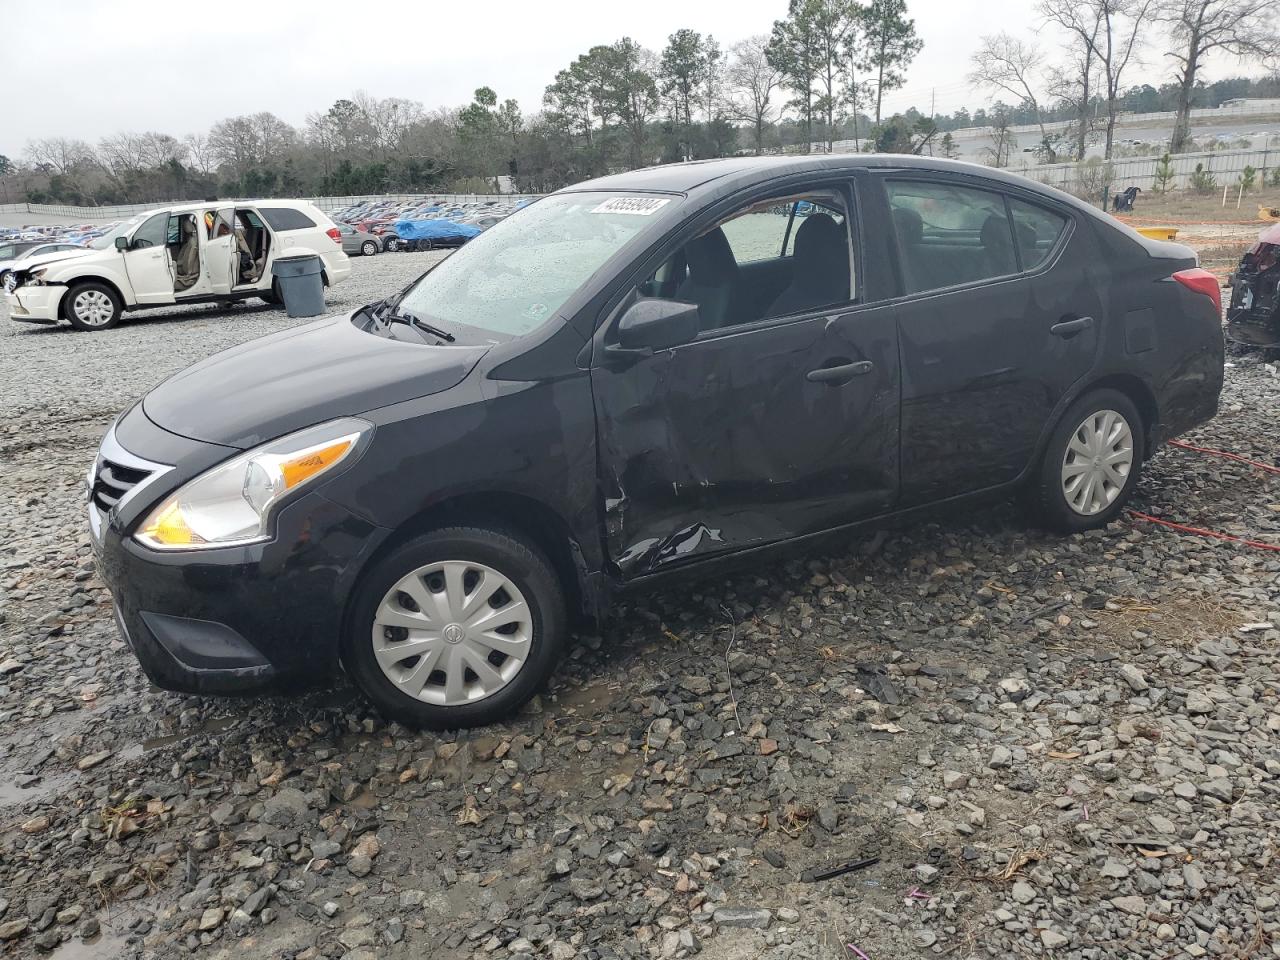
(76, 313)
(505, 552)
(273, 297)
(369, 248)
(1047, 495)
(391, 244)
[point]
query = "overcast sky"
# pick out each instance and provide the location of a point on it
(87, 68)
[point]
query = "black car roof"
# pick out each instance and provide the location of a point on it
(704, 179)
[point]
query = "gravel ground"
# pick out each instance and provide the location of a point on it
(1054, 747)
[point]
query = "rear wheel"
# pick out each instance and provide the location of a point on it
(272, 297)
(1091, 464)
(369, 248)
(92, 306)
(458, 628)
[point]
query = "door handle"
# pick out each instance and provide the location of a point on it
(1067, 328)
(840, 374)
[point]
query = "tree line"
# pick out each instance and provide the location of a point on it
(823, 73)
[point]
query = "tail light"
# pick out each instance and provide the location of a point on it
(336, 235)
(1202, 281)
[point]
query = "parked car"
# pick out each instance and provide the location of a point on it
(13, 249)
(33, 254)
(355, 240)
(1253, 317)
(639, 377)
(193, 253)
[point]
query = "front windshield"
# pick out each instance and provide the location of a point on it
(108, 239)
(517, 274)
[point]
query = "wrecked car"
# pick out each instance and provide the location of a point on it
(195, 253)
(1253, 315)
(634, 379)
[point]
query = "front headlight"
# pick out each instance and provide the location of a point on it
(35, 278)
(232, 503)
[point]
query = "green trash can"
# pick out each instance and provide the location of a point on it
(301, 284)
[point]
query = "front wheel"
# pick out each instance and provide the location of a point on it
(369, 248)
(92, 306)
(391, 244)
(1091, 464)
(458, 628)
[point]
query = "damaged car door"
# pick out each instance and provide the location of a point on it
(745, 391)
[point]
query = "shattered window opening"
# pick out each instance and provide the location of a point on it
(774, 257)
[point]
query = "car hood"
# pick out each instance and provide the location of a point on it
(30, 263)
(266, 388)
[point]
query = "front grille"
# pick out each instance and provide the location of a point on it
(112, 481)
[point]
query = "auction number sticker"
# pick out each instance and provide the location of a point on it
(636, 206)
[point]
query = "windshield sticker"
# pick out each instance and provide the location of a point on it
(636, 206)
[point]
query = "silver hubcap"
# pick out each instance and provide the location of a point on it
(1097, 462)
(452, 633)
(93, 308)
(370, 249)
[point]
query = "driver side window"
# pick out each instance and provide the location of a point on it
(153, 233)
(771, 258)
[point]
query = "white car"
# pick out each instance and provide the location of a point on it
(194, 253)
(40, 253)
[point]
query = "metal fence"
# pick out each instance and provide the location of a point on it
(327, 204)
(1225, 167)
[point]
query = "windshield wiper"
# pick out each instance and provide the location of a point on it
(390, 315)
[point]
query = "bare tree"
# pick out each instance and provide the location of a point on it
(752, 80)
(1002, 138)
(199, 154)
(1198, 27)
(1073, 84)
(1010, 64)
(1109, 29)
(58, 154)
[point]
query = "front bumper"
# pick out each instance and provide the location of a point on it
(35, 304)
(233, 619)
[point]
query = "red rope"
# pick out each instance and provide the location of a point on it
(1226, 456)
(1200, 531)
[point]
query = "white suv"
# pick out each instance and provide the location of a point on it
(194, 253)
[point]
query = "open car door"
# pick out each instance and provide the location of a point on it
(220, 251)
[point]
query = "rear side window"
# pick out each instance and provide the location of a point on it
(949, 235)
(286, 218)
(1037, 231)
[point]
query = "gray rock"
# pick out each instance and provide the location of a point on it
(1052, 939)
(1134, 677)
(1022, 892)
(1197, 703)
(287, 807)
(755, 918)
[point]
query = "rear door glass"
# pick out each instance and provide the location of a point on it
(950, 235)
(1037, 231)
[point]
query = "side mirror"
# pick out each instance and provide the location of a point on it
(658, 324)
(122, 244)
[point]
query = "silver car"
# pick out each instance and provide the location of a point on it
(355, 240)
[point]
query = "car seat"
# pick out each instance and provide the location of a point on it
(713, 280)
(186, 260)
(819, 268)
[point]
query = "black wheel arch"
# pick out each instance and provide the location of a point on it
(585, 590)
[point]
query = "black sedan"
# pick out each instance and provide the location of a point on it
(638, 378)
